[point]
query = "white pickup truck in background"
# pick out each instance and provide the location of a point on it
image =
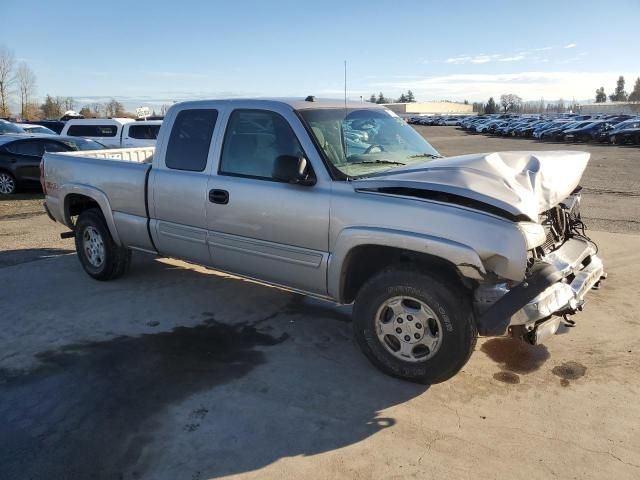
(115, 132)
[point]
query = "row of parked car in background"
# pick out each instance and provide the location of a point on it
(23, 144)
(614, 129)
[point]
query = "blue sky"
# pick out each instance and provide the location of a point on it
(148, 52)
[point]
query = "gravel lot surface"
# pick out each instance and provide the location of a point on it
(179, 372)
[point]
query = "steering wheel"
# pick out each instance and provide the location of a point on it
(371, 147)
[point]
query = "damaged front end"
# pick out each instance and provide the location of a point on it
(560, 272)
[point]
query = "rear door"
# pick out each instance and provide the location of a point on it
(25, 158)
(178, 185)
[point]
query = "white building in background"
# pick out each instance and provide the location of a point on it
(430, 108)
(611, 107)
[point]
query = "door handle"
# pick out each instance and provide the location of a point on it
(219, 196)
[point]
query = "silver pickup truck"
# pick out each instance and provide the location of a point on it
(345, 202)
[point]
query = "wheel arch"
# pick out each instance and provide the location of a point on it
(361, 253)
(78, 198)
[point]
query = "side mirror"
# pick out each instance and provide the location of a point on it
(292, 169)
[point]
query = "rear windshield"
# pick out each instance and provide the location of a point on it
(8, 127)
(144, 132)
(92, 130)
(83, 144)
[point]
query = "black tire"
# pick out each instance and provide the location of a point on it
(115, 260)
(9, 183)
(450, 300)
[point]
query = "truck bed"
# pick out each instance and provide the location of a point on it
(138, 155)
(116, 177)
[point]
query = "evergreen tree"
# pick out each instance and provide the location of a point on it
(372, 98)
(601, 97)
(635, 95)
(381, 98)
(490, 107)
(410, 97)
(51, 108)
(402, 99)
(619, 95)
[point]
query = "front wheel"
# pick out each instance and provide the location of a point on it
(99, 255)
(415, 326)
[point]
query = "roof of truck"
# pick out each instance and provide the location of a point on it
(99, 121)
(297, 103)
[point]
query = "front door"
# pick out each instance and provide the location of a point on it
(259, 227)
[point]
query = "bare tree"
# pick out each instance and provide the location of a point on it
(86, 111)
(69, 103)
(26, 80)
(97, 109)
(7, 66)
(510, 102)
(114, 108)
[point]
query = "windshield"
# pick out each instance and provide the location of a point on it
(627, 124)
(8, 127)
(361, 142)
(40, 130)
(84, 144)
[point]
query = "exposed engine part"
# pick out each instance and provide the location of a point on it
(561, 223)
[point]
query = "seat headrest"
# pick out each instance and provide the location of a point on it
(319, 136)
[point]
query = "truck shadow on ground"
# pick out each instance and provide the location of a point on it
(9, 258)
(102, 409)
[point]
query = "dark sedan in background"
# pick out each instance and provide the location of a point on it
(20, 157)
(9, 127)
(588, 132)
(626, 136)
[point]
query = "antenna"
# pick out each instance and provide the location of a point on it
(345, 86)
(343, 140)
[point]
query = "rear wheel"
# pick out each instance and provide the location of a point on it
(8, 184)
(100, 257)
(414, 325)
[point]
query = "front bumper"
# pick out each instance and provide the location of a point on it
(556, 287)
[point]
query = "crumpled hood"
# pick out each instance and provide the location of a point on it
(521, 183)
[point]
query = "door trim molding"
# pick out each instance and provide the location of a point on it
(261, 248)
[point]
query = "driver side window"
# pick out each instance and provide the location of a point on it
(253, 141)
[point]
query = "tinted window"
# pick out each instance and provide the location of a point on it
(54, 147)
(8, 127)
(92, 130)
(82, 144)
(33, 148)
(42, 130)
(144, 132)
(190, 138)
(253, 141)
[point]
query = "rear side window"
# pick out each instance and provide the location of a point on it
(92, 131)
(32, 148)
(190, 138)
(144, 132)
